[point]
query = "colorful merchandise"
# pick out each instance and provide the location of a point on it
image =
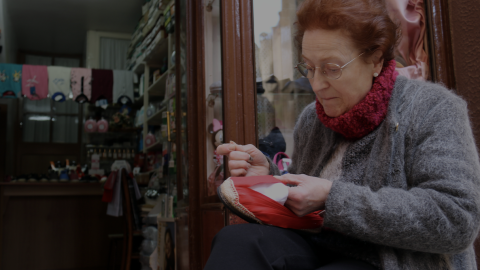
(121, 119)
(59, 83)
(10, 80)
(81, 79)
(90, 125)
(95, 162)
(102, 125)
(149, 139)
(35, 82)
(102, 85)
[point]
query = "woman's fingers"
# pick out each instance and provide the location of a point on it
(224, 149)
(289, 179)
(237, 155)
(238, 172)
(238, 164)
(252, 159)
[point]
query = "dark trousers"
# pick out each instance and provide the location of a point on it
(253, 246)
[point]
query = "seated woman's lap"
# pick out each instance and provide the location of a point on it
(253, 246)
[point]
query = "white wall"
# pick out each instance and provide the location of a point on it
(8, 40)
(93, 45)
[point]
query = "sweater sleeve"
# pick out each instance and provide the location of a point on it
(439, 212)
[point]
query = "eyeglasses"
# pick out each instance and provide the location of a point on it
(330, 70)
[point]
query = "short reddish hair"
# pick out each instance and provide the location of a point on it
(366, 21)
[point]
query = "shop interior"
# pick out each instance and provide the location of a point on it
(88, 119)
(99, 171)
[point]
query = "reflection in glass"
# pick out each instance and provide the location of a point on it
(65, 129)
(213, 95)
(38, 106)
(66, 107)
(36, 128)
(182, 26)
(282, 93)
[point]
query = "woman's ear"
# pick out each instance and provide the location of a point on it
(377, 61)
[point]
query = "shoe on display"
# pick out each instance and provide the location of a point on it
(64, 176)
(73, 176)
(32, 178)
(44, 178)
(103, 179)
(22, 178)
(92, 179)
(53, 176)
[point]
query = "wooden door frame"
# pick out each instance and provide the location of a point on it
(238, 102)
(440, 42)
(239, 73)
(3, 140)
(196, 123)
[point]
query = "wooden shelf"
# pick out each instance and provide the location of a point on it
(165, 219)
(154, 57)
(116, 131)
(140, 64)
(110, 147)
(156, 119)
(158, 87)
(51, 189)
(153, 147)
(138, 102)
(146, 173)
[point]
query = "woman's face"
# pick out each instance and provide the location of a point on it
(338, 96)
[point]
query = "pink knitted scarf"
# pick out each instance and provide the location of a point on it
(365, 116)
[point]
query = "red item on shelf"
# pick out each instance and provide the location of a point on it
(90, 125)
(139, 160)
(108, 187)
(150, 164)
(102, 125)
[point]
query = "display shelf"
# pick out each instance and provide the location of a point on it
(165, 219)
(116, 131)
(154, 147)
(51, 189)
(111, 160)
(156, 119)
(140, 64)
(138, 102)
(158, 87)
(110, 147)
(153, 56)
(147, 173)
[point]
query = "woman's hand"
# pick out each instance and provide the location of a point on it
(309, 195)
(244, 160)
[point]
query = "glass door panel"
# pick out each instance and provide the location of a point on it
(213, 95)
(182, 74)
(282, 93)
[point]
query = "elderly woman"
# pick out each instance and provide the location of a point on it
(392, 161)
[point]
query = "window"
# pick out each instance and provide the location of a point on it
(47, 121)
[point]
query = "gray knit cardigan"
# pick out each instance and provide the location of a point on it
(409, 192)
